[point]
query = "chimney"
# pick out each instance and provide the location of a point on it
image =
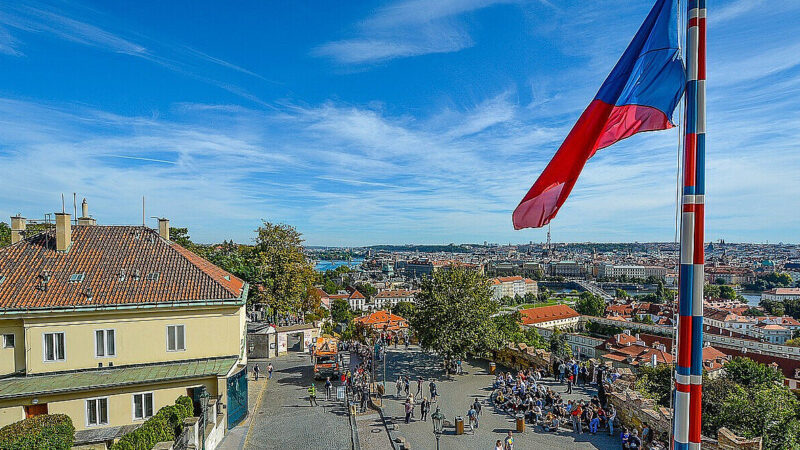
(655, 360)
(63, 232)
(17, 229)
(84, 219)
(163, 228)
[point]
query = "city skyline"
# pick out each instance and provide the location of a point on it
(402, 123)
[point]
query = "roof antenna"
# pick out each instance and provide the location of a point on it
(63, 210)
(75, 208)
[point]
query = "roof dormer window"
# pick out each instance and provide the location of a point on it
(77, 277)
(153, 276)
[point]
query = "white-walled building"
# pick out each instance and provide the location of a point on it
(513, 286)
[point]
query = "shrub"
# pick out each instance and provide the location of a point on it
(48, 431)
(165, 425)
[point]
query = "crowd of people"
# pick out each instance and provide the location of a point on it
(525, 394)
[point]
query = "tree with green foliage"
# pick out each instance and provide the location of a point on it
(453, 315)
(340, 311)
(748, 373)
(754, 312)
(286, 275)
(181, 237)
(711, 291)
(727, 292)
(405, 310)
(366, 289)
(5, 234)
(655, 382)
(589, 304)
(46, 431)
(558, 345)
(330, 287)
(620, 293)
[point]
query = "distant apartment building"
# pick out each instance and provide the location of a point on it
(414, 268)
(781, 294)
(772, 329)
(512, 287)
(554, 316)
(108, 324)
(568, 269)
(729, 275)
(354, 298)
(388, 298)
(631, 271)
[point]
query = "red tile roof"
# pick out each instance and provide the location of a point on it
(115, 262)
(546, 314)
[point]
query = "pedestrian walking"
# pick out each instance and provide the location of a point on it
(269, 371)
(407, 385)
(432, 387)
(255, 371)
(472, 415)
(576, 413)
(328, 387)
(424, 407)
(419, 385)
(312, 395)
(399, 386)
(569, 384)
(476, 405)
(508, 443)
(408, 409)
(364, 398)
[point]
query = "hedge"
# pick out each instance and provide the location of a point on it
(165, 425)
(47, 431)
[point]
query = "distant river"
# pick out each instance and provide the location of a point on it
(752, 298)
(324, 264)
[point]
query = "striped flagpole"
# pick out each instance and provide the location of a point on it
(686, 421)
(698, 21)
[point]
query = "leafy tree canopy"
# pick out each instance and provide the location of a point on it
(282, 269)
(454, 313)
(590, 305)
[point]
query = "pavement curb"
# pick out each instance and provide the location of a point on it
(255, 408)
(353, 430)
(389, 433)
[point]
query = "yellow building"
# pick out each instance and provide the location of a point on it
(108, 324)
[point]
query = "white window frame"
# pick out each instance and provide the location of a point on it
(105, 354)
(183, 329)
(144, 408)
(97, 405)
(5, 340)
(44, 347)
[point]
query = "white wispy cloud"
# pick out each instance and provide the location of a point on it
(46, 19)
(407, 28)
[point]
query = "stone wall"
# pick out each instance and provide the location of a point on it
(521, 357)
(634, 411)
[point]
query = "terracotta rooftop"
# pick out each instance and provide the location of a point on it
(546, 314)
(107, 266)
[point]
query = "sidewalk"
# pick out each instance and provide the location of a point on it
(236, 438)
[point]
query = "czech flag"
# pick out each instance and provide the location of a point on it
(639, 95)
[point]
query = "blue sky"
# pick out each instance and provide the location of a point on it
(405, 121)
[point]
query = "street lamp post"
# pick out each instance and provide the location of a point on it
(437, 418)
(204, 396)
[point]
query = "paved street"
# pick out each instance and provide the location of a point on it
(458, 393)
(284, 419)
